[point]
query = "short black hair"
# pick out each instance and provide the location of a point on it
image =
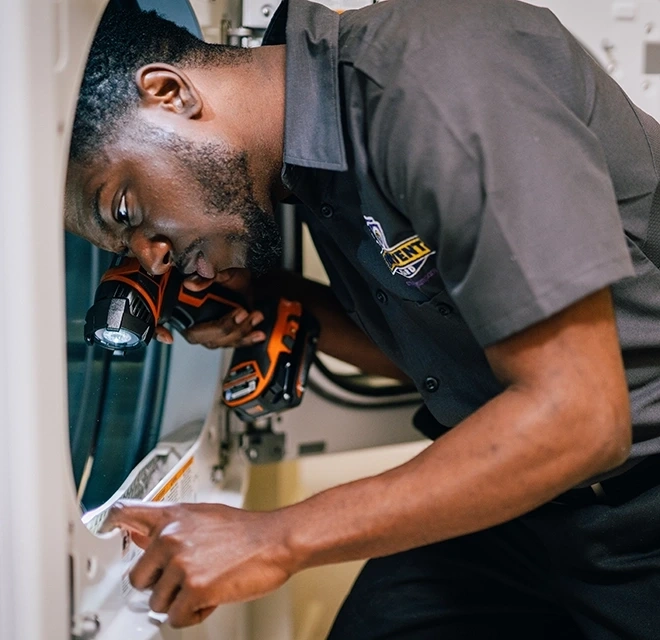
(126, 40)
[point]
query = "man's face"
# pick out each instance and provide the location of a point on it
(172, 202)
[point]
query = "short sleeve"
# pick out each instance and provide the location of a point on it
(505, 180)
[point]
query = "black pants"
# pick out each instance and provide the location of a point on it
(561, 572)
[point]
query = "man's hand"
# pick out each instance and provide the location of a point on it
(198, 556)
(236, 329)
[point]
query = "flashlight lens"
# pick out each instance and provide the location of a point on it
(117, 339)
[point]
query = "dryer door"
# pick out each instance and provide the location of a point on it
(147, 425)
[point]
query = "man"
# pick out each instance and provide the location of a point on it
(480, 192)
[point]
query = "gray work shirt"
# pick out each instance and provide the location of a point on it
(468, 171)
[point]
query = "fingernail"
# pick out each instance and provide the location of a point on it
(240, 316)
(256, 319)
(164, 339)
(258, 336)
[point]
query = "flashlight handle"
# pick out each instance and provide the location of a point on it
(193, 307)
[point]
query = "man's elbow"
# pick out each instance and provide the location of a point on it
(608, 435)
(592, 431)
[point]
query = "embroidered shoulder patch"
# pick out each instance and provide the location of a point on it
(405, 258)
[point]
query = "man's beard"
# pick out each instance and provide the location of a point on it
(227, 189)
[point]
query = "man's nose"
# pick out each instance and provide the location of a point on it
(154, 254)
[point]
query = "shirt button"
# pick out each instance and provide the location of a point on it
(431, 384)
(327, 210)
(445, 309)
(381, 296)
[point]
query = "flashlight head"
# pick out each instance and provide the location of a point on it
(130, 303)
(119, 319)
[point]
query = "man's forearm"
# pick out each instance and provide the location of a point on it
(503, 461)
(563, 417)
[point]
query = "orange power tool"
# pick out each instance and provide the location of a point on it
(263, 378)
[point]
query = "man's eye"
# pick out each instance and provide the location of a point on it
(122, 212)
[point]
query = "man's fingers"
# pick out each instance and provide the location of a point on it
(187, 609)
(151, 567)
(232, 330)
(235, 329)
(166, 588)
(135, 516)
(146, 572)
(143, 576)
(141, 541)
(202, 614)
(164, 335)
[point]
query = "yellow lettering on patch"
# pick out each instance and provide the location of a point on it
(405, 253)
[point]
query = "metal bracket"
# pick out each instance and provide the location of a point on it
(262, 445)
(85, 626)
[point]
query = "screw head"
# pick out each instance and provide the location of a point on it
(90, 623)
(217, 475)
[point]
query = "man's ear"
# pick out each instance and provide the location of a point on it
(163, 85)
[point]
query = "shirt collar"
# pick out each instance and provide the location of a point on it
(313, 135)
